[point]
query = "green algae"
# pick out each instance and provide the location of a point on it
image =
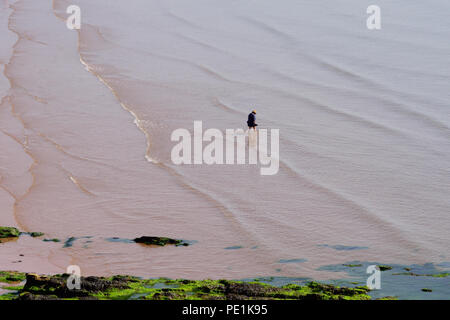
(9, 232)
(36, 234)
(8, 296)
(265, 279)
(434, 275)
(384, 267)
(438, 275)
(134, 288)
(13, 288)
(11, 276)
(388, 298)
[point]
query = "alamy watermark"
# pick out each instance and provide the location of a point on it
(374, 20)
(239, 147)
(374, 280)
(73, 22)
(74, 279)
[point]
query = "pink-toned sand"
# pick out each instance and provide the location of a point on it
(86, 118)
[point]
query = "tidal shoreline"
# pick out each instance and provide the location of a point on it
(16, 285)
(427, 281)
(21, 286)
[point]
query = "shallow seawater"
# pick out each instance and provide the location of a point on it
(398, 281)
(395, 282)
(85, 136)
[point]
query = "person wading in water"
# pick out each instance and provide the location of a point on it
(251, 120)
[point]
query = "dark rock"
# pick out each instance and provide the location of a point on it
(384, 268)
(160, 241)
(186, 281)
(313, 297)
(30, 296)
(125, 278)
(57, 285)
(330, 289)
(69, 242)
(246, 289)
(166, 295)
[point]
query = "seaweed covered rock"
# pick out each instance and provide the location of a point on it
(26, 296)
(51, 240)
(384, 267)
(11, 276)
(338, 292)
(9, 232)
(57, 285)
(36, 234)
(160, 241)
(242, 290)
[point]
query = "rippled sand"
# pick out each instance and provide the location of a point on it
(86, 118)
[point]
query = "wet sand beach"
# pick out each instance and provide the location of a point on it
(86, 118)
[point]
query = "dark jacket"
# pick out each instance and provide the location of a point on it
(251, 120)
